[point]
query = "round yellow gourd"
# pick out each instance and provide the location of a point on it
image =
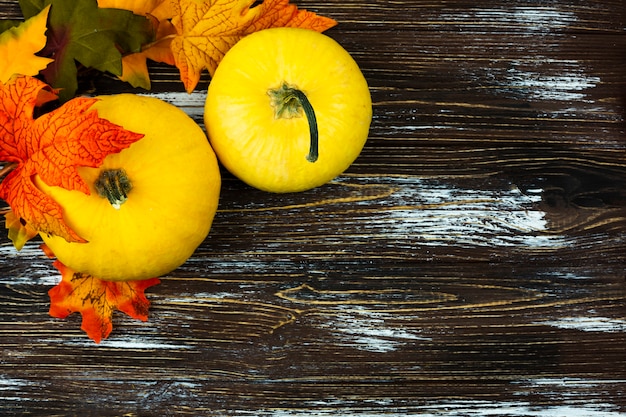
(258, 119)
(172, 181)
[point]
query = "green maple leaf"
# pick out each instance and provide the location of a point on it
(80, 32)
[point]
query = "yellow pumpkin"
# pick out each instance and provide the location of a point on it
(287, 109)
(171, 181)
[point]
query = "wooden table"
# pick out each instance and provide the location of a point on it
(471, 261)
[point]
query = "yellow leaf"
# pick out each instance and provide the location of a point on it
(19, 231)
(19, 45)
(135, 71)
(161, 9)
(207, 29)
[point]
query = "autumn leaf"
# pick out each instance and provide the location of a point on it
(20, 232)
(6, 24)
(80, 31)
(207, 29)
(159, 13)
(135, 66)
(96, 300)
(19, 44)
(141, 7)
(51, 146)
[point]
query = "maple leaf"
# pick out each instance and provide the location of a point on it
(80, 31)
(96, 300)
(159, 13)
(6, 24)
(208, 29)
(19, 44)
(20, 232)
(51, 146)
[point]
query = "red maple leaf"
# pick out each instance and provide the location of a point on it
(96, 300)
(51, 146)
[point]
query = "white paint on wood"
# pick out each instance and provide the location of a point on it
(10, 388)
(192, 104)
(532, 19)
(456, 409)
(564, 383)
(536, 85)
(7, 383)
(589, 324)
(436, 213)
(40, 270)
(369, 331)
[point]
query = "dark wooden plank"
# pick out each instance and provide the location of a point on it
(471, 261)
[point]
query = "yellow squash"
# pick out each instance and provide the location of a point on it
(171, 181)
(287, 109)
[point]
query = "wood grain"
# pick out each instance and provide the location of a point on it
(471, 262)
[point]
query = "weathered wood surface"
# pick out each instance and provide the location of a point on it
(471, 262)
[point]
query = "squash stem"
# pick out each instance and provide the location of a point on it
(114, 185)
(288, 102)
(310, 116)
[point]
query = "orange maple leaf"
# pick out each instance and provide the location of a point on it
(19, 45)
(207, 29)
(96, 300)
(52, 146)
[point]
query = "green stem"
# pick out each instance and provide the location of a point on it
(287, 102)
(310, 116)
